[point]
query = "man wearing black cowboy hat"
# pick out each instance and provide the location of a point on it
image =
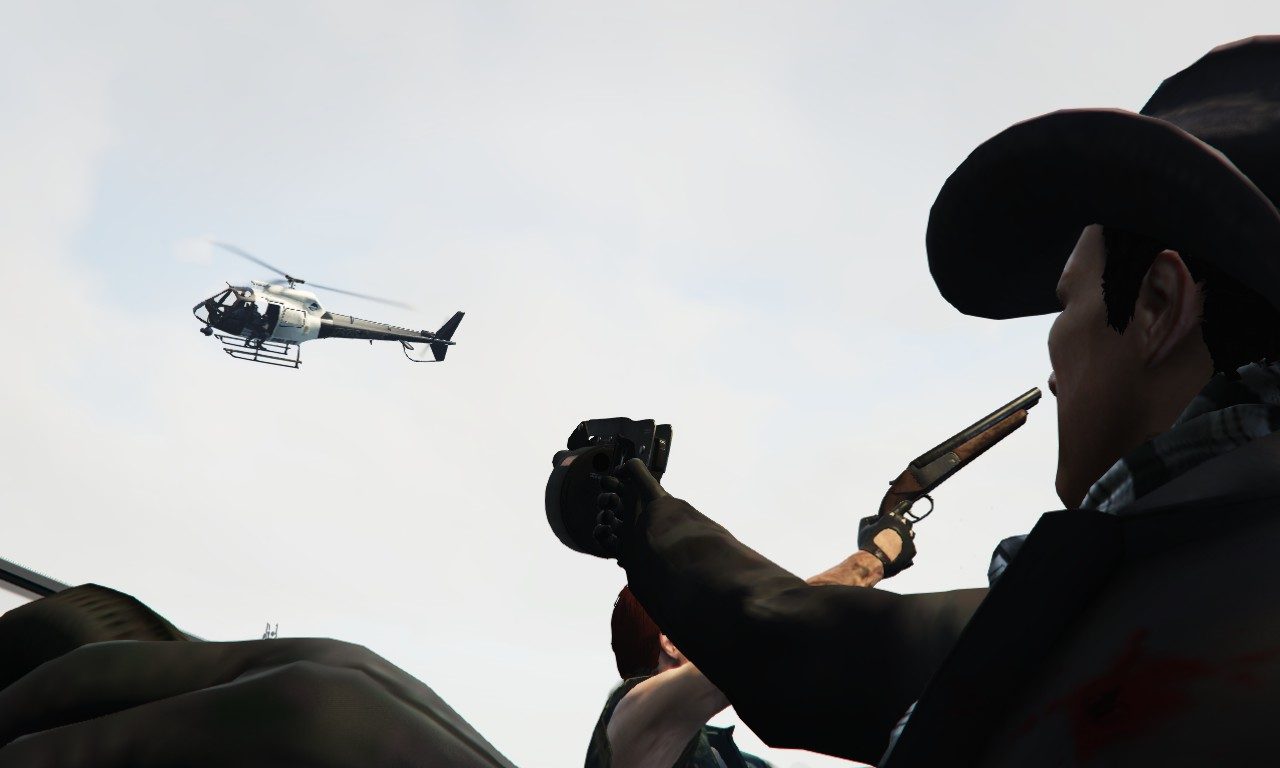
(1108, 635)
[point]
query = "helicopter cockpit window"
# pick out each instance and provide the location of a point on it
(235, 311)
(210, 306)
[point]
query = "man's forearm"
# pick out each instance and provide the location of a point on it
(825, 668)
(861, 569)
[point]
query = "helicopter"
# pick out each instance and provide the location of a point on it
(266, 322)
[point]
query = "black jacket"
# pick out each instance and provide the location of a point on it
(1111, 637)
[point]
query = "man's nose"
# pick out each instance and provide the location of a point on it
(1053, 383)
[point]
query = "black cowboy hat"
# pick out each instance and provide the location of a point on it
(1198, 170)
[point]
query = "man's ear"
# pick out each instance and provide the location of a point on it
(668, 647)
(1168, 309)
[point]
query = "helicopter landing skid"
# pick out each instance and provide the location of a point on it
(282, 354)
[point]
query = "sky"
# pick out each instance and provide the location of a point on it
(711, 214)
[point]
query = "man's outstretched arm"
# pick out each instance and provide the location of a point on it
(824, 668)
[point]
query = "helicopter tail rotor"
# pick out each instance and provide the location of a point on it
(439, 342)
(438, 348)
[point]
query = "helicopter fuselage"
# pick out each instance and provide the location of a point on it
(300, 316)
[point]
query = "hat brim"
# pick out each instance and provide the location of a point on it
(1006, 220)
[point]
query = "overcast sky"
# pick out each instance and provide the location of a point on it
(711, 214)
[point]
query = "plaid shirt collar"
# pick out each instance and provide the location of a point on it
(1224, 416)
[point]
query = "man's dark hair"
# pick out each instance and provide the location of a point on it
(1238, 325)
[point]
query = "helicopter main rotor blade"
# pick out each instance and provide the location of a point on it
(290, 279)
(246, 255)
(365, 296)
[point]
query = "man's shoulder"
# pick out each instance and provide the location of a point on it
(1104, 617)
(599, 753)
(616, 696)
(1250, 471)
(698, 753)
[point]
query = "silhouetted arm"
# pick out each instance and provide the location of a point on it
(824, 668)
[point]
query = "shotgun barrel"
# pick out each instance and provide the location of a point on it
(931, 468)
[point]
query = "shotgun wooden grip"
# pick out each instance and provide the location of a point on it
(904, 488)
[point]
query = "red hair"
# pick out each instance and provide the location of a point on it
(635, 637)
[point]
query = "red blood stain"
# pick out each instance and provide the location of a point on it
(1138, 690)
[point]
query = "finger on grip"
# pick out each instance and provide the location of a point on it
(635, 475)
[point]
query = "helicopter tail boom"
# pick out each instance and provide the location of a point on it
(333, 325)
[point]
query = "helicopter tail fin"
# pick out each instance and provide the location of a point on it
(438, 348)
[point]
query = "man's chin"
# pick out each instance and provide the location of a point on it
(1069, 493)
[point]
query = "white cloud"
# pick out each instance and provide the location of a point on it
(710, 214)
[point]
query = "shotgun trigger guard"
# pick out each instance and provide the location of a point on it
(913, 518)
